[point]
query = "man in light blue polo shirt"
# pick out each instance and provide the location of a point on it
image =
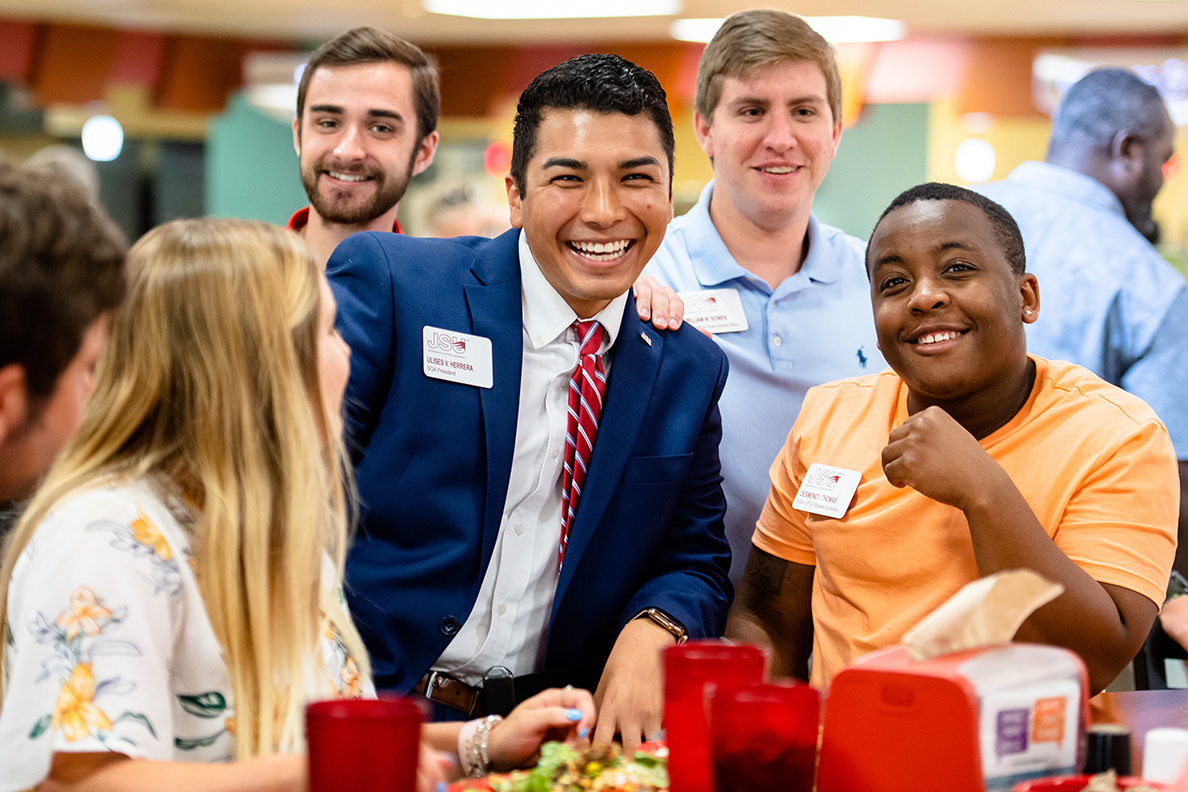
(1111, 303)
(785, 297)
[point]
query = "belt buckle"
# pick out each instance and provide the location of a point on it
(431, 682)
(455, 693)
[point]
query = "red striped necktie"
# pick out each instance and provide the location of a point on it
(586, 387)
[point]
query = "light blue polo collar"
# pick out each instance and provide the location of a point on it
(714, 266)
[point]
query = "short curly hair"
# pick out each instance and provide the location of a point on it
(1006, 230)
(1103, 103)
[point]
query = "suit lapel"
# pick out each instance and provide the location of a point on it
(636, 363)
(496, 312)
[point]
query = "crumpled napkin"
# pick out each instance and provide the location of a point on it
(986, 611)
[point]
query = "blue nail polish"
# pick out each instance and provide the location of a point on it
(584, 733)
(573, 714)
(442, 786)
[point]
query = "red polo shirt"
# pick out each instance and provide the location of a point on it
(301, 217)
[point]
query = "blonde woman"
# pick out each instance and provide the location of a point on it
(171, 598)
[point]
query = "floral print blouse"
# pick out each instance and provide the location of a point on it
(109, 647)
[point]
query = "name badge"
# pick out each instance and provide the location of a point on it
(457, 357)
(827, 490)
(715, 310)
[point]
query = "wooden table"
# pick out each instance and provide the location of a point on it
(1140, 711)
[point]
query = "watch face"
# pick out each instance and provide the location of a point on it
(668, 623)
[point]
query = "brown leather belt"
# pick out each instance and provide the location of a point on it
(445, 689)
(499, 693)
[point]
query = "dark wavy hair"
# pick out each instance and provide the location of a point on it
(601, 83)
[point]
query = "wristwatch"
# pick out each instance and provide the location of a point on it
(666, 622)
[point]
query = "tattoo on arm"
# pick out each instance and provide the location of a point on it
(765, 573)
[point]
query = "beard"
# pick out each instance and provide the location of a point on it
(343, 208)
(1138, 212)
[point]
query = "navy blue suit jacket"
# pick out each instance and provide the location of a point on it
(433, 460)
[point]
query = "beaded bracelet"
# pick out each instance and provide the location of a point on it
(477, 762)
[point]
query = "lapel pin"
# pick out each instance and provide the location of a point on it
(644, 336)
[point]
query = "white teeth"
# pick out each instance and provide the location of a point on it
(601, 250)
(932, 338)
(779, 169)
(347, 176)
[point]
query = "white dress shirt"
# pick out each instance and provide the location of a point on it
(509, 623)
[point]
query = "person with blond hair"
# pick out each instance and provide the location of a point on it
(790, 292)
(173, 592)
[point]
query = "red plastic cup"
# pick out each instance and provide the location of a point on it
(763, 738)
(364, 745)
(688, 668)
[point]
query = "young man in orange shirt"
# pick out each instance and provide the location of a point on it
(969, 457)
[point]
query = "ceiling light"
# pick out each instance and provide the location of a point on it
(701, 30)
(837, 29)
(551, 9)
(846, 29)
(102, 138)
(974, 160)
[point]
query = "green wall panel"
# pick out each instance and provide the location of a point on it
(251, 168)
(880, 156)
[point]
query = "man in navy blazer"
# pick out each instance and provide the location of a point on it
(462, 355)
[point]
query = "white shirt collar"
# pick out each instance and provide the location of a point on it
(547, 315)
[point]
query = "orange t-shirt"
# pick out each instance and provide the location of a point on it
(1093, 462)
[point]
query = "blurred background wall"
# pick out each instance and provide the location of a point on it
(206, 116)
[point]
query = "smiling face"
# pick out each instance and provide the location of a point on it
(358, 143)
(948, 309)
(771, 137)
(595, 203)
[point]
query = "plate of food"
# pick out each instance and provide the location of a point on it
(1102, 782)
(562, 768)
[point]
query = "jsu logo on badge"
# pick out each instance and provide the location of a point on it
(823, 477)
(444, 342)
